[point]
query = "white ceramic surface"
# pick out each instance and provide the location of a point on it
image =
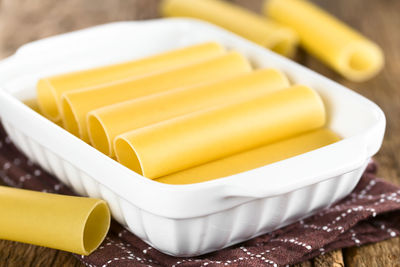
(186, 220)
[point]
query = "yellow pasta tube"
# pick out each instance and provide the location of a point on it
(253, 158)
(74, 224)
(328, 39)
(50, 89)
(236, 19)
(190, 140)
(108, 122)
(77, 104)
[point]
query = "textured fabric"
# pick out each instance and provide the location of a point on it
(370, 214)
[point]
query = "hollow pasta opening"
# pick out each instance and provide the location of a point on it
(360, 61)
(98, 135)
(70, 120)
(96, 227)
(127, 155)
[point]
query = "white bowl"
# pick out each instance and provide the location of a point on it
(187, 220)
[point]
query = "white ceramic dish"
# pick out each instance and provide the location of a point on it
(186, 220)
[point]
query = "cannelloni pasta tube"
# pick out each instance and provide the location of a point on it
(253, 158)
(74, 224)
(77, 104)
(200, 137)
(108, 122)
(336, 44)
(236, 19)
(49, 90)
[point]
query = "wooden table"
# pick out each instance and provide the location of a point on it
(24, 21)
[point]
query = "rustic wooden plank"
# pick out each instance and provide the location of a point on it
(36, 19)
(331, 259)
(17, 254)
(384, 253)
(303, 264)
(253, 5)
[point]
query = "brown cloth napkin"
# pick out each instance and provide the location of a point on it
(370, 214)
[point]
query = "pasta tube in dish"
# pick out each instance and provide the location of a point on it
(108, 122)
(77, 104)
(207, 135)
(253, 158)
(50, 89)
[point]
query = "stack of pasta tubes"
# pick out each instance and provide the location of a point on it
(203, 115)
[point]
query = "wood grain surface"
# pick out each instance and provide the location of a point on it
(23, 21)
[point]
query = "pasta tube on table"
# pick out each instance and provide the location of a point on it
(74, 224)
(207, 135)
(236, 19)
(50, 89)
(106, 123)
(77, 104)
(328, 39)
(253, 158)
